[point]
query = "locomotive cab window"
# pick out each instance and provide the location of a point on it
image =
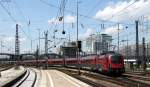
(116, 58)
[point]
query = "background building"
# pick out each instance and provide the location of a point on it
(98, 43)
(68, 49)
(130, 51)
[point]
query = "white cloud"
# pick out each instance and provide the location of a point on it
(113, 30)
(9, 43)
(12, 39)
(53, 21)
(68, 19)
(9, 39)
(88, 32)
(116, 12)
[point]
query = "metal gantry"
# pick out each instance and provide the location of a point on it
(137, 44)
(17, 43)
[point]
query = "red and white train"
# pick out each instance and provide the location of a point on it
(107, 62)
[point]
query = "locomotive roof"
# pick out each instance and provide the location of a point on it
(110, 52)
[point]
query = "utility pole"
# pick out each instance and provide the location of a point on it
(137, 45)
(1, 46)
(46, 47)
(39, 40)
(1, 52)
(31, 46)
(69, 36)
(54, 37)
(37, 56)
(127, 49)
(118, 37)
(123, 51)
(147, 50)
(127, 45)
(63, 32)
(144, 54)
(91, 44)
(46, 42)
(17, 45)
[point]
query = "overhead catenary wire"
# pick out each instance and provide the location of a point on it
(9, 14)
(58, 12)
(131, 35)
(51, 5)
(117, 13)
(21, 12)
(93, 8)
(12, 18)
(92, 18)
(59, 15)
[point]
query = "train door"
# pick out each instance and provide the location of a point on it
(96, 62)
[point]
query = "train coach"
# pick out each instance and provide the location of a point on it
(109, 62)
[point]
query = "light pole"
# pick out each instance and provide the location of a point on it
(32, 41)
(37, 56)
(39, 39)
(1, 52)
(123, 46)
(118, 37)
(1, 45)
(31, 45)
(1, 42)
(54, 37)
(77, 43)
(127, 43)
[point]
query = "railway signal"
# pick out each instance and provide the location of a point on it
(79, 46)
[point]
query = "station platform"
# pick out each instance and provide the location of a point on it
(9, 75)
(55, 78)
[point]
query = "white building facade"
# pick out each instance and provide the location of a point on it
(98, 43)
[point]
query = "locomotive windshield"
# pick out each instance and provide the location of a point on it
(116, 58)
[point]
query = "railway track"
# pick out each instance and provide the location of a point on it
(87, 77)
(140, 77)
(28, 80)
(3, 68)
(139, 73)
(96, 79)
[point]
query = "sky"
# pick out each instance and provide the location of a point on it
(42, 15)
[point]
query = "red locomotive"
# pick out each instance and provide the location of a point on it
(111, 63)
